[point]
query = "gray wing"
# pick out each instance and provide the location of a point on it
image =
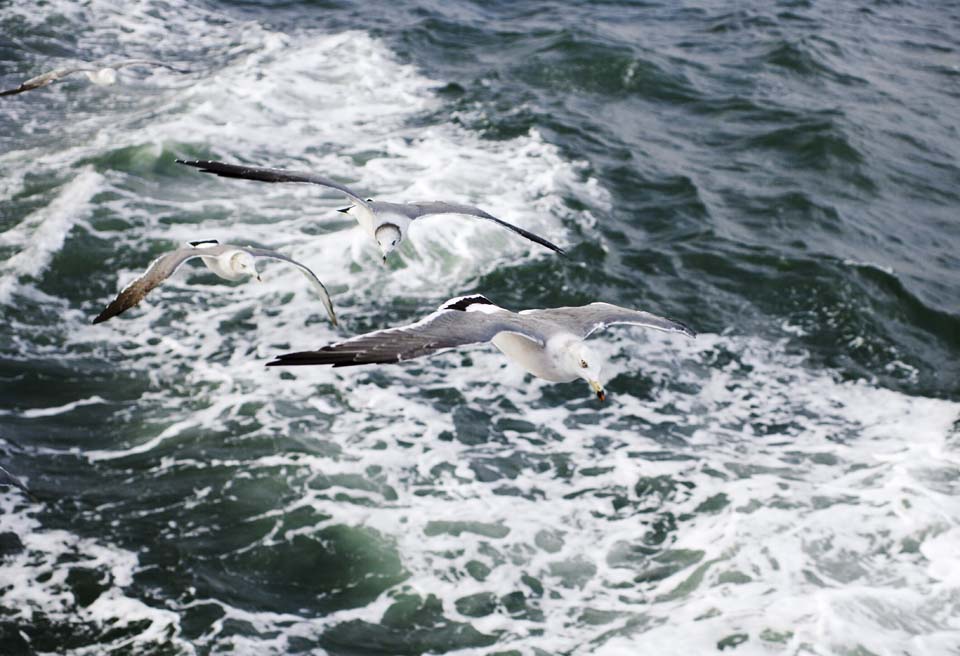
(146, 62)
(45, 79)
(8, 479)
(441, 330)
(270, 175)
(587, 319)
(308, 274)
(441, 207)
(159, 270)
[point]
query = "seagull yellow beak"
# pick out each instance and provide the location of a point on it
(598, 389)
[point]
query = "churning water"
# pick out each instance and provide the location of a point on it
(781, 176)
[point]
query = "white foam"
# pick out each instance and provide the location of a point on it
(33, 413)
(35, 581)
(41, 234)
(840, 520)
(855, 453)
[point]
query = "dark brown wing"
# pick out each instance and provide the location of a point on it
(43, 80)
(158, 271)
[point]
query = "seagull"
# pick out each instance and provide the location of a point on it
(9, 480)
(547, 343)
(98, 73)
(387, 223)
(230, 262)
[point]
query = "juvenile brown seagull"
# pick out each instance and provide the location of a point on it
(230, 262)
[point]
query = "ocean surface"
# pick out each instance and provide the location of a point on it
(782, 176)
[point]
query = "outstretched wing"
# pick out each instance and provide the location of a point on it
(159, 270)
(147, 62)
(269, 175)
(440, 330)
(44, 79)
(308, 274)
(8, 479)
(441, 207)
(587, 319)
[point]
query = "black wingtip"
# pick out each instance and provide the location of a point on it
(293, 359)
(685, 329)
(463, 302)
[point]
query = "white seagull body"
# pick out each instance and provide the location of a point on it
(386, 223)
(547, 343)
(229, 262)
(98, 73)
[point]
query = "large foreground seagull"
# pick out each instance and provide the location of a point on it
(547, 343)
(387, 223)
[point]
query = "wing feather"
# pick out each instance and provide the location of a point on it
(587, 319)
(159, 270)
(441, 207)
(43, 80)
(308, 274)
(8, 479)
(441, 330)
(270, 175)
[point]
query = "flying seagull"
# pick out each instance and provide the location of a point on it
(230, 262)
(9, 480)
(387, 223)
(98, 73)
(547, 343)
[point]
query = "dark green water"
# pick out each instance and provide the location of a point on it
(781, 176)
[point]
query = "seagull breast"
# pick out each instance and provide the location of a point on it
(224, 265)
(103, 77)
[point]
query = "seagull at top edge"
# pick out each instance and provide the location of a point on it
(548, 343)
(97, 72)
(386, 222)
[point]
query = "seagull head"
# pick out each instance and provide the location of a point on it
(587, 365)
(388, 238)
(243, 263)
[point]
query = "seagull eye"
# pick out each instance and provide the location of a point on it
(583, 364)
